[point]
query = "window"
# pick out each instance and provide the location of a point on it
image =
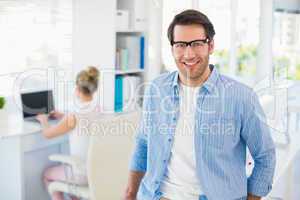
(34, 34)
(247, 29)
(286, 45)
(219, 14)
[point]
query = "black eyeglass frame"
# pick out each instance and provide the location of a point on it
(206, 40)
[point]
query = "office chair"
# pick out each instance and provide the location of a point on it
(108, 160)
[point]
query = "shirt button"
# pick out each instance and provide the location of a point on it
(174, 118)
(156, 182)
(165, 161)
(169, 139)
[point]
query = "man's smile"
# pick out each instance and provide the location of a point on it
(190, 64)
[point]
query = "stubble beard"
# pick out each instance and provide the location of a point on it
(198, 74)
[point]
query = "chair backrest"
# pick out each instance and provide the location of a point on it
(109, 155)
(275, 107)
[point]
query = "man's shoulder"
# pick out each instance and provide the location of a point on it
(164, 79)
(160, 84)
(233, 86)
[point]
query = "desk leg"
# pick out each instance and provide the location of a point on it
(11, 174)
(36, 162)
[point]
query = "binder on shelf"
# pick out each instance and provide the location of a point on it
(121, 59)
(130, 93)
(119, 93)
(142, 52)
(135, 46)
(118, 59)
(124, 59)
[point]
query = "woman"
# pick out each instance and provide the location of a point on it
(86, 86)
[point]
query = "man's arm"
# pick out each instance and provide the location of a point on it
(255, 132)
(138, 165)
(137, 169)
(133, 184)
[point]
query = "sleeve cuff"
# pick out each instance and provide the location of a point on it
(134, 166)
(259, 188)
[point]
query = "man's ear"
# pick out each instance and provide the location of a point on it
(211, 46)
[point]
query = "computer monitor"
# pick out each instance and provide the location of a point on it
(34, 103)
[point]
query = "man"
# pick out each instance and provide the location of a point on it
(196, 126)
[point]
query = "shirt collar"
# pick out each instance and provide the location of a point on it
(209, 84)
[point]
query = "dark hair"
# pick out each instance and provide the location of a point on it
(191, 17)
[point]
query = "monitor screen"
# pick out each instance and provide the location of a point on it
(37, 102)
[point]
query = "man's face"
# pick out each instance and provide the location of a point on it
(192, 61)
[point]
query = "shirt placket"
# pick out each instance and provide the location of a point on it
(174, 117)
(197, 134)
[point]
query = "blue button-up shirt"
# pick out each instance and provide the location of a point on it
(228, 119)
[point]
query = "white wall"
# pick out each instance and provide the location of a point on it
(93, 33)
(154, 55)
(94, 42)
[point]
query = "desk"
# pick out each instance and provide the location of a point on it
(23, 156)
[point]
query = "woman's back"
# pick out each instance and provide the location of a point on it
(85, 127)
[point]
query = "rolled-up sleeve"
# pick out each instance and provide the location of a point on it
(256, 133)
(139, 157)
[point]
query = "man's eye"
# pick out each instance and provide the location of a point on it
(197, 44)
(180, 45)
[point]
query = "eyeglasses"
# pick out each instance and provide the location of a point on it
(180, 46)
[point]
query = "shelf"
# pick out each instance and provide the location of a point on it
(129, 71)
(129, 31)
(128, 111)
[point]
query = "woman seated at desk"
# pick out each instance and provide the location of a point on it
(86, 85)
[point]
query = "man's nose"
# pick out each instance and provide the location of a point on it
(189, 52)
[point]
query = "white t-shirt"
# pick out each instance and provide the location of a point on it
(180, 181)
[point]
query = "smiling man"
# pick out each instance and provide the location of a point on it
(196, 126)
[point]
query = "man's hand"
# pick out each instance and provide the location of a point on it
(253, 197)
(132, 188)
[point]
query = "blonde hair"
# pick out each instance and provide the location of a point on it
(87, 80)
